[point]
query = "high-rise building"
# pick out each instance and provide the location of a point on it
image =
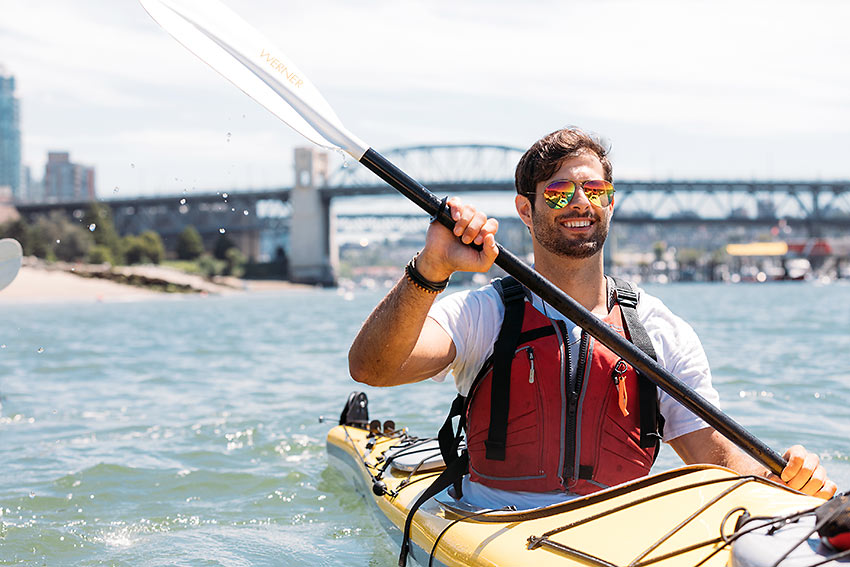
(10, 136)
(67, 181)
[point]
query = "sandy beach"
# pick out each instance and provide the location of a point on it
(39, 283)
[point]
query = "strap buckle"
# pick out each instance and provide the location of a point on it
(626, 297)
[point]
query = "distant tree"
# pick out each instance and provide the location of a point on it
(145, 248)
(190, 246)
(99, 216)
(132, 250)
(154, 248)
(235, 262)
(100, 254)
(222, 245)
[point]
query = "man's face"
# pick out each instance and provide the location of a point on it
(579, 229)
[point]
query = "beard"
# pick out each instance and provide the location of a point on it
(548, 234)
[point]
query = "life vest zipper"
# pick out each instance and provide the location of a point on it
(530, 352)
(573, 396)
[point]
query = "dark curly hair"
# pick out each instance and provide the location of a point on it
(545, 156)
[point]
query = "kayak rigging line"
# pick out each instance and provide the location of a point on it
(433, 553)
(637, 560)
(545, 541)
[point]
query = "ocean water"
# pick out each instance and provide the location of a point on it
(188, 430)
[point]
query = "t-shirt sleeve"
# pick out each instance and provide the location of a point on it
(680, 351)
(472, 320)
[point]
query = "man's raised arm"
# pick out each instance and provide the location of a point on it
(398, 343)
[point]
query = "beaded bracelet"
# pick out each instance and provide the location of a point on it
(419, 281)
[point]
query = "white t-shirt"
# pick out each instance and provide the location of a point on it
(473, 319)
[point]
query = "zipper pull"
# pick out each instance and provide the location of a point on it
(531, 365)
(619, 376)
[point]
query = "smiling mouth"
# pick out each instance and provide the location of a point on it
(576, 223)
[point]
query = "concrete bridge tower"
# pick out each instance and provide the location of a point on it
(313, 254)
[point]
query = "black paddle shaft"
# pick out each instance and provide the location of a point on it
(566, 305)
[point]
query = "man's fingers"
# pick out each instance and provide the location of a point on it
(476, 223)
(490, 227)
(827, 491)
(795, 456)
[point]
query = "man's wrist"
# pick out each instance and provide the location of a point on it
(428, 270)
(421, 281)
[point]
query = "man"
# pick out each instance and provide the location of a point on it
(565, 197)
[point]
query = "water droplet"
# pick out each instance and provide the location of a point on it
(224, 195)
(232, 210)
(245, 212)
(61, 538)
(32, 494)
(58, 241)
(243, 116)
(344, 164)
(182, 201)
(228, 136)
(115, 190)
(2, 346)
(40, 350)
(133, 165)
(92, 226)
(221, 231)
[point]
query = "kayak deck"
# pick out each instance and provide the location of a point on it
(669, 519)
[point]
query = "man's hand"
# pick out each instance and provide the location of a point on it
(446, 251)
(805, 473)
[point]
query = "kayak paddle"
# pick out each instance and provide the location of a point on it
(10, 260)
(228, 44)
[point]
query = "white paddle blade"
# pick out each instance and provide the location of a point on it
(228, 44)
(10, 260)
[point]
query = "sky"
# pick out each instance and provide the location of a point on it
(681, 89)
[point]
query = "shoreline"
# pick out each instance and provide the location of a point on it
(38, 282)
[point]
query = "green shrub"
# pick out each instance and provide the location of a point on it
(189, 244)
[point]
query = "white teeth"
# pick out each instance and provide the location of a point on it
(576, 223)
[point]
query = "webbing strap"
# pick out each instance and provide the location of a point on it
(651, 422)
(503, 354)
(453, 471)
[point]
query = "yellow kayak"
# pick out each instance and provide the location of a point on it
(676, 518)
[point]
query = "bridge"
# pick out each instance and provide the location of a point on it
(298, 219)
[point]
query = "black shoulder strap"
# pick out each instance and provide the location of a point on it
(651, 422)
(456, 468)
(513, 297)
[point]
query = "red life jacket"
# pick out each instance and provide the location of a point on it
(559, 433)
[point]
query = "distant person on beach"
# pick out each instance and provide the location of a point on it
(550, 411)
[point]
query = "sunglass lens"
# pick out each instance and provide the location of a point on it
(558, 194)
(599, 192)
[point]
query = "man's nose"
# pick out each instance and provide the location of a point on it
(579, 202)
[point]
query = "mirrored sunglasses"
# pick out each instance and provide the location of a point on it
(559, 193)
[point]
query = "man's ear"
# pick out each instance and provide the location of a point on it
(523, 209)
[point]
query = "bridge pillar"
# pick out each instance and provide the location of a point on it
(313, 255)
